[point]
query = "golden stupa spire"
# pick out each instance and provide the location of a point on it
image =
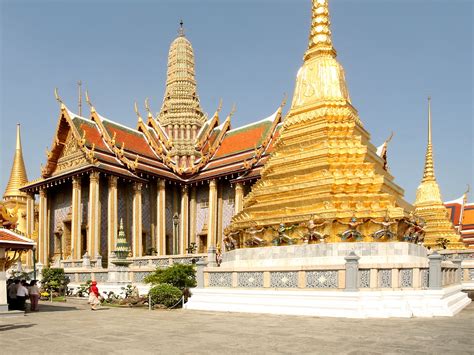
(429, 204)
(321, 78)
(18, 173)
(320, 39)
(428, 174)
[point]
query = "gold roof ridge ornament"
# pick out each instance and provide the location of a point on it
(58, 99)
(92, 108)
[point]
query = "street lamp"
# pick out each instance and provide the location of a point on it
(175, 230)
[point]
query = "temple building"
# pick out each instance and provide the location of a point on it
(175, 180)
(461, 214)
(439, 229)
(178, 179)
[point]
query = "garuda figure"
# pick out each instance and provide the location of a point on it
(352, 233)
(415, 232)
(229, 242)
(282, 237)
(253, 240)
(385, 230)
(313, 234)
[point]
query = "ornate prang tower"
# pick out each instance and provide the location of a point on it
(323, 165)
(428, 205)
(181, 112)
(14, 199)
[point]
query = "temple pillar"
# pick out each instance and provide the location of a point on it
(161, 217)
(192, 216)
(30, 223)
(137, 220)
(43, 242)
(239, 197)
(94, 216)
(76, 218)
(184, 230)
(112, 215)
(220, 206)
(212, 219)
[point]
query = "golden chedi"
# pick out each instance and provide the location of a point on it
(439, 231)
(324, 178)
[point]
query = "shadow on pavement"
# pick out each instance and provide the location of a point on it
(5, 327)
(45, 307)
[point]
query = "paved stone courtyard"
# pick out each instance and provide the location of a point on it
(72, 328)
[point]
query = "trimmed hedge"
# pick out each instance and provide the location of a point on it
(165, 294)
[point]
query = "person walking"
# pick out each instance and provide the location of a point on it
(94, 296)
(34, 296)
(21, 295)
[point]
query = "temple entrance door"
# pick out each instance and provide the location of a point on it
(66, 239)
(169, 245)
(202, 243)
(83, 241)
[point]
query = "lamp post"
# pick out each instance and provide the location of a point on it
(34, 263)
(175, 233)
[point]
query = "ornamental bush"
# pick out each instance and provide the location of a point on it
(165, 294)
(178, 275)
(54, 279)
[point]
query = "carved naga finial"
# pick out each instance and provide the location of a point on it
(58, 98)
(89, 102)
(147, 108)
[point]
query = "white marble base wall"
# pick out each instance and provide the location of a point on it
(326, 253)
(362, 304)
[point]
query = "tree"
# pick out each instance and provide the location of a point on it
(54, 279)
(178, 275)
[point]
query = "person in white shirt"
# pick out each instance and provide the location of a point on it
(34, 296)
(21, 295)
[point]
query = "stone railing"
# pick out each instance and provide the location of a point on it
(350, 276)
(138, 270)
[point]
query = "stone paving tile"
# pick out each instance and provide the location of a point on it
(73, 329)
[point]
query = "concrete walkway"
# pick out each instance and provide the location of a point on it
(71, 328)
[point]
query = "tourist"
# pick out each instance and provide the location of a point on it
(34, 296)
(12, 290)
(21, 295)
(94, 296)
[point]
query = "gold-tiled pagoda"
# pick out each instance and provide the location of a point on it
(323, 167)
(18, 173)
(439, 230)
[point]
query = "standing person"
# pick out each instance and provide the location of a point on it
(12, 290)
(34, 296)
(21, 295)
(94, 296)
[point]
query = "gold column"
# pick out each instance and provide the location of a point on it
(239, 197)
(43, 247)
(112, 215)
(161, 218)
(94, 216)
(220, 205)
(183, 232)
(212, 219)
(76, 215)
(192, 216)
(30, 214)
(137, 220)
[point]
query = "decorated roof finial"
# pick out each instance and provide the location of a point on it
(79, 100)
(181, 29)
(320, 40)
(89, 102)
(428, 174)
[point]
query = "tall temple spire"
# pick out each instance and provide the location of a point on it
(429, 203)
(320, 39)
(428, 174)
(18, 173)
(181, 113)
(321, 79)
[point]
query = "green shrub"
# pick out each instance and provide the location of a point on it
(177, 275)
(54, 279)
(165, 294)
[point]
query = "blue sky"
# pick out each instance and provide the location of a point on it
(395, 54)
